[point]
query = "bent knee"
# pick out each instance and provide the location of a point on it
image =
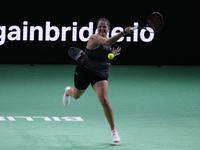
(76, 96)
(77, 93)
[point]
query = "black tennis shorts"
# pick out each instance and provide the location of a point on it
(83, 77)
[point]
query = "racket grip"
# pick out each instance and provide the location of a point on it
(133, 28)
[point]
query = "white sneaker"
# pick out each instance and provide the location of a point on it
(66, 99)
(115, 136)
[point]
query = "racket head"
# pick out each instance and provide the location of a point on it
(155, 21)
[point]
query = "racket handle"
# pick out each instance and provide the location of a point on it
(133, 28)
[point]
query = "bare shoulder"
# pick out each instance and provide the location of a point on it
(94, 36)
(97, 39)
(92, 41)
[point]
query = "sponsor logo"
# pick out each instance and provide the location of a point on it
(49, 32)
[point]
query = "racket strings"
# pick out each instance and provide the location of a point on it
(155, 21)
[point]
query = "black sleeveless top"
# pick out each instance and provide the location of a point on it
(97, 60)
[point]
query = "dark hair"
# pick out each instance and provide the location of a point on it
(103, 19)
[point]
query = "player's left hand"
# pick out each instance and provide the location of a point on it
(116, 51)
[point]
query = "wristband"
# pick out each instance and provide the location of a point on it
(123, 32)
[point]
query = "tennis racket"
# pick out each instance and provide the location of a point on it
(153, 24)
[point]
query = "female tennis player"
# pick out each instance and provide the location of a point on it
(96, 70)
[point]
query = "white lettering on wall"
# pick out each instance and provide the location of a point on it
(49, 32)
